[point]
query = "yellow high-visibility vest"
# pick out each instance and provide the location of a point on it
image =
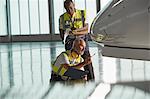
(76, 21)
(60, 70)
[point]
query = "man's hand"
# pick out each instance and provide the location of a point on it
(78, 32)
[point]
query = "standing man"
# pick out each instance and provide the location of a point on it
(72, 24)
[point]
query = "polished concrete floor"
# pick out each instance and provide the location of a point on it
(25, 72)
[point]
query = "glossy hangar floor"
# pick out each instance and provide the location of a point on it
(25, 72)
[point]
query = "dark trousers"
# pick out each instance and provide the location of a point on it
(71, 73)
(89, 68)
(55, 77)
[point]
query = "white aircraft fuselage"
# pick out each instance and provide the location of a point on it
(127, 22)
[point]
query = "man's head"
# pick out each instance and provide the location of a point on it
(69, 6)
(79, 46)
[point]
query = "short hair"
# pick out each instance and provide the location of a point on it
(66, 2)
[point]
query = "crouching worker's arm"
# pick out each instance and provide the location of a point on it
(74, 72)
(80, 65)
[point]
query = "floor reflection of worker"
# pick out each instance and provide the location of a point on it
(69, 64)
(73, 24)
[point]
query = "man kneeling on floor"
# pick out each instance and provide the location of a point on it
(69, 64)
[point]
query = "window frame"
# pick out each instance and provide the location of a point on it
(51, 36)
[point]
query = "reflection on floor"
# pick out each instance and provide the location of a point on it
(25, 72)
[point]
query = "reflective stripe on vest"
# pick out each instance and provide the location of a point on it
(78, 21)
(59, 70)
